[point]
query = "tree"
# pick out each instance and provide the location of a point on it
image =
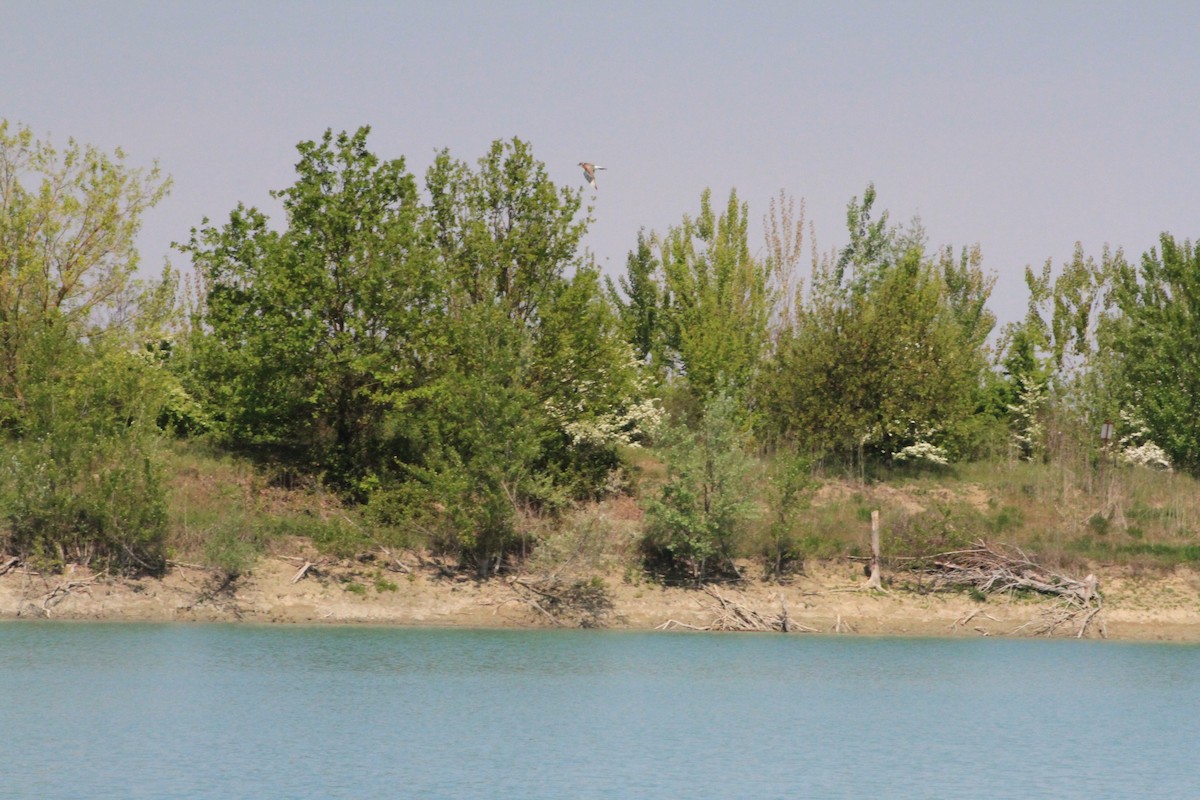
(504, 232)
(531, 388)
(307, 333)
(1048, 388)
(717, 298)
(1150, 334)
(886, 352)
(590, 383)
(80, 392)
(639, 303)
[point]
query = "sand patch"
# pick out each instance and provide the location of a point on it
(828, 598)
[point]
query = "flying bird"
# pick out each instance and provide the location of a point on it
(589, 172)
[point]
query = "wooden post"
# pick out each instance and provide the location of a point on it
(875, 582)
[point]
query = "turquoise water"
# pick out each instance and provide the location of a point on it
(163, 711)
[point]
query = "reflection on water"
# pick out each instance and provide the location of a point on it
(97, 710)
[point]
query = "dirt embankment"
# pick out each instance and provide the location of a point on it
(828, 598)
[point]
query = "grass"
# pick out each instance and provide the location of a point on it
(227, 514)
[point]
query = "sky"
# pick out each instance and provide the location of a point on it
(1022, 127)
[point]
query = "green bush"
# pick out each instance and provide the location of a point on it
(82, 478)
(694, 523)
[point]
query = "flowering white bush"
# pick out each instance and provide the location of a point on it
(1028, 429)
(635, 418)
(1136, 447)
(923, 452)
(1147, 454)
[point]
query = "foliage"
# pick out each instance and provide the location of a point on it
(1153, 350)
(791, 487)
(304, 333)
(590, 383)
(478, 435)
(79, 393)
(694, 523)
(716, 296)
(887, 350)
(640, 306)
(504, 233)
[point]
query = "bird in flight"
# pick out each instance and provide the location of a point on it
(589, 172)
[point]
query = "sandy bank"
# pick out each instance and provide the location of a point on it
(828, 598)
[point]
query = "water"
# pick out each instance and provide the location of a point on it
(162, 711)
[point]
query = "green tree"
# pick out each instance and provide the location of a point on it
(504, 232)
(79, 391)
(590, 383)
(1151, 337)
(1048, 387)
(716, 297)
(886, 351)
(639, 303)
(532, 388)
(477, 437)
(307, 333)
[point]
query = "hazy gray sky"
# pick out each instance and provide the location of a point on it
(1021, 126)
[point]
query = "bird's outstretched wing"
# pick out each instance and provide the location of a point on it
(589, 172)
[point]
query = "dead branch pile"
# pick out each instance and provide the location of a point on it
(585, 603)
(993, 570)
(733, 615)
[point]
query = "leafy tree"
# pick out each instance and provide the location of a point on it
(84, 476)
(871, 249)
(79, 393)
(717, 298)
(529, 387)
(1048, 388)
(790, 487)
(590, 383)
(67, 250)
(504, 232)
(478, 435)
(639, 303)
(1151, 337)
(307, 333)
(887, 350)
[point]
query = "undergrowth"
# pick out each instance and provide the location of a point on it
(227, 513)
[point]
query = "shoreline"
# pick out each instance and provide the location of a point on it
(827, 598)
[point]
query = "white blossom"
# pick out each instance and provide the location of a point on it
(923, 452)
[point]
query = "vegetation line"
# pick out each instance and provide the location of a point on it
(438, 367)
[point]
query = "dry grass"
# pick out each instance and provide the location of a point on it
(226, 513)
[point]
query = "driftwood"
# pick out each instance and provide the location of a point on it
(9, 564)
(394, 564)
(64, 590)
(300, 573)
(582, 603)
(992, 570)
(732, 615)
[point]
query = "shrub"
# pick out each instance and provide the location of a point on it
(692, 525)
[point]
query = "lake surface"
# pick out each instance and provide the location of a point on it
(231, 711)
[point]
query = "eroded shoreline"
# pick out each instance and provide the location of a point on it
(828, 598)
